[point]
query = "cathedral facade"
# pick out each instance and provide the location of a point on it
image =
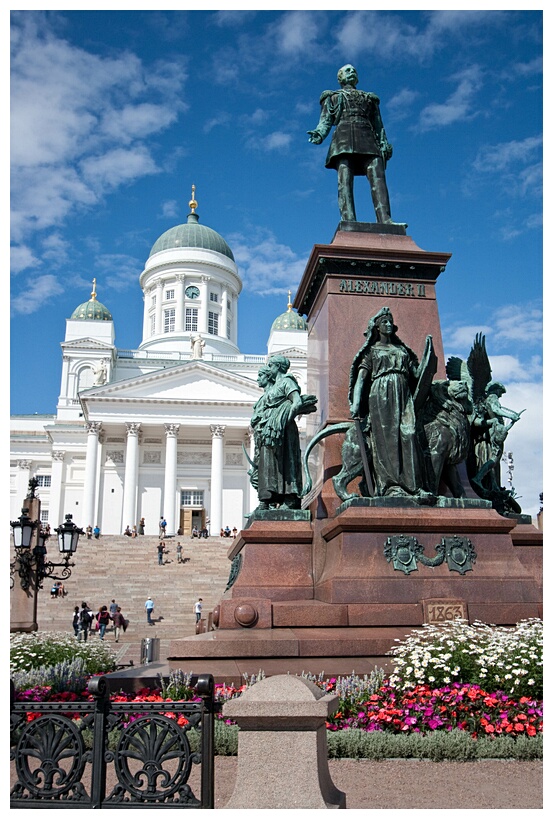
(161, 431)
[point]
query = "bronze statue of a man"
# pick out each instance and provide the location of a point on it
(359, 145)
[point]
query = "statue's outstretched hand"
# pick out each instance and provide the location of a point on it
(387, 150)
(314, 136)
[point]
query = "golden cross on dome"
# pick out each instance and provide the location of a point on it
(289, 301)
(93, 294)
(193, 204)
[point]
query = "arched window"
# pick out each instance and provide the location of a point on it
(85, 378)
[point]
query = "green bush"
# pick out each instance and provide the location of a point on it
(439, 746)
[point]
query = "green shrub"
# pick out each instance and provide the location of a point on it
(439, 746)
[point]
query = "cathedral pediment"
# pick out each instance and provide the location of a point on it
(86, 343)
(194, 382)
(291, 352)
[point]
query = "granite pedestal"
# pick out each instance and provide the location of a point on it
(334, 593)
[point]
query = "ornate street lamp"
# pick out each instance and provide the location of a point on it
(32, 562)
(68, 536)
(23, 530)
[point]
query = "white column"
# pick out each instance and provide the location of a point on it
(64, 384)
(22, 483)
(224, 315)
(89, 491)
(159, 298)
(131, 476)
(169, 492)
(55, 514)
(204, 307)
(234, 319)
(250, 446)
(216, 511)
(146, 319)
(179, 312)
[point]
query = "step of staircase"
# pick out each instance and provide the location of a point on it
(127, 570)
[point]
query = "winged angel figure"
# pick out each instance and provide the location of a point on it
(488, 428)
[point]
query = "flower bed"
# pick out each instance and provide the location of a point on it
(412, 702)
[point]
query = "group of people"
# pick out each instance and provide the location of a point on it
(90, 531)
(162, 551)
(226, 532)
(57, 590)
(130, 532)
(197, 532)
(149, 607)
(84, 621)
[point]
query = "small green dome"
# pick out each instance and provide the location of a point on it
(289, 321)
(92, 310)
(192, 234)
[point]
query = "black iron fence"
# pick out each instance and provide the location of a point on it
(104, 754)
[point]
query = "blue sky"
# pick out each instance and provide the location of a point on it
(114, 114)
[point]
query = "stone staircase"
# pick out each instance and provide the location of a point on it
(127, 569)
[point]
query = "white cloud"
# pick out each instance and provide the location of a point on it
(505, 155)
(525, 441)
(232, 18)
(508, 368)
(458, 106)
(77, 121)
(119, 270)
(169, 209)
(389, 36)
(137, 121)
(297, 32)
(518, 323)
(21, 258)
(400, 105)
(380, 34)
(267, 267)
(462, 338)
(38, 292)
(55, 249)
(278, 140)
(515, 326)
(118, 166)
(216, 122)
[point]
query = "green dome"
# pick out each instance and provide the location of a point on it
(192, 234)
(289, 321)
(92, 309)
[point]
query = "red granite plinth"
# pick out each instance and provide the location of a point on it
(344, 284)
(357, 573)
(276, 566)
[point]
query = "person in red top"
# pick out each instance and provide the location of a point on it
(103, 620)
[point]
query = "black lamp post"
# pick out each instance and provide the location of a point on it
(33, 561)
(68, 536)
(23, 530)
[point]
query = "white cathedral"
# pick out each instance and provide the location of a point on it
(163, 430)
